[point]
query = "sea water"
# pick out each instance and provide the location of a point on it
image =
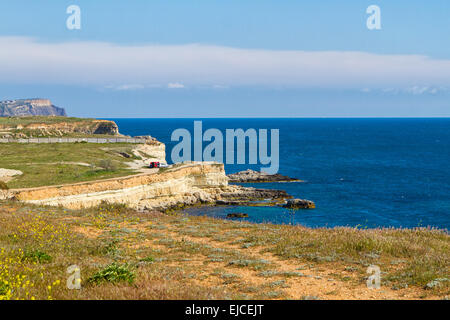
(359, 172)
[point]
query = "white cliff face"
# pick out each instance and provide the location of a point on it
(186, 184)
(148, 152)
(183, 184)
(153, 189)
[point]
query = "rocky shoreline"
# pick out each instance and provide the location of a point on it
(186, 185)
(234, 196)
(178, 186)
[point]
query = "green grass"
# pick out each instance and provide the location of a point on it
(14, 121)
(147, 259)
(37, 256)
(4, 287)
(53, 164)
(114, 273)
(53, 134)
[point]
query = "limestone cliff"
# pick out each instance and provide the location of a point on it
(87, 126)
(29, 107)
(152, 150)
(32, 127)
(176, 182)
(184, 184)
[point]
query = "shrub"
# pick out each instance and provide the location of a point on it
(148, 259)
(3, 186)
(113, 273)
(4, 288)
(37, 256)
(107, 164)
(119, 208)
(111, 248)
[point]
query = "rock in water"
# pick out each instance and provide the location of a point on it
(237, 215)
(299, 204)
(29, 107)
(251, 176)
(240, 196)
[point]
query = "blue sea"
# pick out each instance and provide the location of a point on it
(359, 172)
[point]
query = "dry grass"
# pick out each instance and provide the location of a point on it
(129, 255)
(422, 253)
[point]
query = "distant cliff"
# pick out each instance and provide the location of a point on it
(29, 107)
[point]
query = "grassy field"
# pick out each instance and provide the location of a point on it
(15, 121)
(123, 254)
(59, 163)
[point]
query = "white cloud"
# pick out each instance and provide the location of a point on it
(390, 90)
(219, 86)
(414, 90)
(175, 85)
(418, 90)
(125, 87)
(27, 61)
(131, 87)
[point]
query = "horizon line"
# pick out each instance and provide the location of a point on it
(316, 117)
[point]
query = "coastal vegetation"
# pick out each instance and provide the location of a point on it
(24, 121)
(124, 254)
(60, 163)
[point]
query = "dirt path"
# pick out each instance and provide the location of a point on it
(200, 257)
(294, 280)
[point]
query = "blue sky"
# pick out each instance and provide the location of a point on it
(254, 58)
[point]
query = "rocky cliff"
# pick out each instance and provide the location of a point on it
(176, 184)
(185, 184)
(39, 126)
(82, 126)
(29, 107)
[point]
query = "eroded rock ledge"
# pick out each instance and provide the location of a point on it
(183, 185)
(238, 195)
(251, 176)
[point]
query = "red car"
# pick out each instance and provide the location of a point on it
(155, 164)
